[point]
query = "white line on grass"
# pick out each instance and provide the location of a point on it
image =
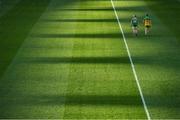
(132, 64)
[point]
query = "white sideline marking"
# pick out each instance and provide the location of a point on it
(132, 64)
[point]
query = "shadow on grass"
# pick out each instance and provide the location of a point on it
(163, 60)
(107, 20)
(168, 8)
(105, 100)
(77, 60)
(92, 100)
(15, 26)
(106, 9)
(117, 35)
(81, 20)
(76, 100)
(79, 35)
(97, 100)
(17, 23)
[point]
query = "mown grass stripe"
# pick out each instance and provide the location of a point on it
(132, 63)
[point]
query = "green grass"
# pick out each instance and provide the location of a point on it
(15, 26)
(156, 58)
(73, 64)
(6, 5)
(168, 14)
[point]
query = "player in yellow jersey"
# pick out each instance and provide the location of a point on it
(147, 24)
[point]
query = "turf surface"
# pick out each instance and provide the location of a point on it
(6, 5)
(16, 25)
(156, 58)
(168, 14)
(74, 64)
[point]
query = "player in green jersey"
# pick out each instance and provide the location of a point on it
(134, 24)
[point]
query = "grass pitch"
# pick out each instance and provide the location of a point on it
(73, 63)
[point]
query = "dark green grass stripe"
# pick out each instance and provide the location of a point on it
(77, 60)
(6, 5)
(15, 26)
(79, 35)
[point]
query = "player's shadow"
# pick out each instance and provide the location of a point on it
(77, 60)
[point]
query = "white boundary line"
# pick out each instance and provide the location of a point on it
(131, 61)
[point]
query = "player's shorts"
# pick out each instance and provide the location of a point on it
(147, 26)
(134, 26)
